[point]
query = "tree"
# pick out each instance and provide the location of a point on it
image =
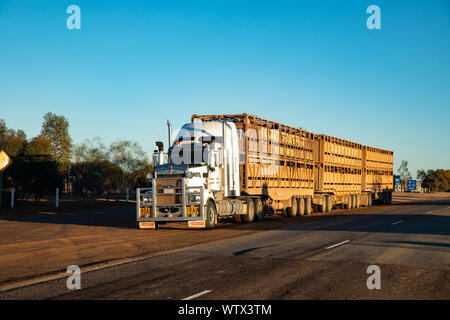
(36, 175)
(435, 180)
(110, 174)
(11, 141)
(90, 151)
(56, 129)
(138, 178)
(403, 171)
(129, 156)
(100, 177)
(39, 145)
(421, 175)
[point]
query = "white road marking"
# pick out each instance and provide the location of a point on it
(197, 295)
(337, 244)
(430, 212)
(394, 223)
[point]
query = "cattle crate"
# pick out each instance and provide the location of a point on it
(378, 171)
(338, 170)
(276, 160)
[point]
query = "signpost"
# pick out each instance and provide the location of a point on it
(5, 162)
(411, 185)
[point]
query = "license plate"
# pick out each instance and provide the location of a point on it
(170, 191)
(145, 211)
(192, 210)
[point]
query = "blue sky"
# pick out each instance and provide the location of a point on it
(311, 64)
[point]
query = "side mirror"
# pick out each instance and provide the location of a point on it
(149, 176)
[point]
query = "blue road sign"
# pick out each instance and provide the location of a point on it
(411, 185)
(397, 181)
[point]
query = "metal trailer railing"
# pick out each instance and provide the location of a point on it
(154, 211)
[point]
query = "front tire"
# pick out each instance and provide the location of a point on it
(211, 215)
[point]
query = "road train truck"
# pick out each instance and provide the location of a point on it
(244, 167)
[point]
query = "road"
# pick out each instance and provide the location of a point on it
(317, 259)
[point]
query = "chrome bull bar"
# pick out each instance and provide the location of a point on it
(155, 211)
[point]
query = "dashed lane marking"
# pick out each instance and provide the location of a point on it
(197, 295)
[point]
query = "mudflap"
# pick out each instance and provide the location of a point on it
(147, 225)
(198, 224)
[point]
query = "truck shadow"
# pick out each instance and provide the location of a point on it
(360, 220)
(123, 217)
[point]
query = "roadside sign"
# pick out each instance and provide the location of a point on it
(397, 181)
(5, 161)
(411, 185)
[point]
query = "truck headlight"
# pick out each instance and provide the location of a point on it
(147, 197)
(195, 198)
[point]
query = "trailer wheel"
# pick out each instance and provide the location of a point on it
(390, 197)
(211, 215)
(348, 205)
(308, 206)
(357, 201)
(369, 199)
(322, 207)
(259, 209)
(248, 218)
(301, 207)
(328, 203)
(292, 210)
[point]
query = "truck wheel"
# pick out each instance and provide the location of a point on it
(322, 207)
(259, 210)
(369, 199)
(353, 201)
(329, 203)
(248, 218)
(211, 215)
(308, 206)
(390, 197)
(358, 201)
(301, 207)
(384, 197)
(348, 205)
(292, 210)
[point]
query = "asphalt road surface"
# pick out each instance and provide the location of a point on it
(320, 259)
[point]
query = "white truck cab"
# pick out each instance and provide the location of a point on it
(198, 174)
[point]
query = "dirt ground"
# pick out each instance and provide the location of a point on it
(44, 242)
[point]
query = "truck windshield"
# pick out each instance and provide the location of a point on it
(192, 154)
